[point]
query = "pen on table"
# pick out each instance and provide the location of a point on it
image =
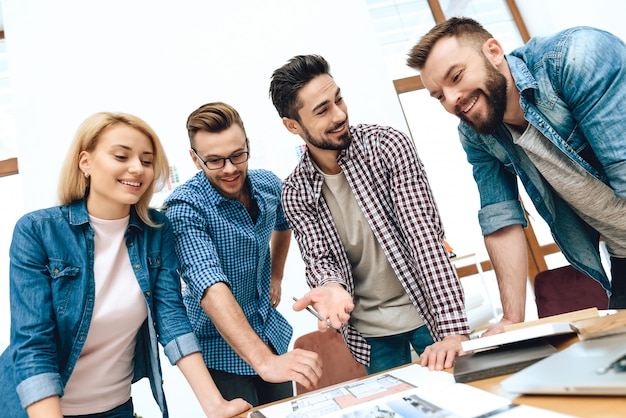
(318, 316)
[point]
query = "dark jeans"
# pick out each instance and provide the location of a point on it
(618, 283)
(123, 411)
(394, 350)
(250, 387)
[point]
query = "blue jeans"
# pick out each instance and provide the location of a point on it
(393, 351)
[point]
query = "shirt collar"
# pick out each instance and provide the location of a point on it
(522, 76)
(78, 215)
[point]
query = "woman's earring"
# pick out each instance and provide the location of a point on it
(86, 175)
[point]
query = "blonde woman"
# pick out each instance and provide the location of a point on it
(93, 287)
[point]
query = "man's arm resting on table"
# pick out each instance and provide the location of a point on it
(298, 365)
(508, 254)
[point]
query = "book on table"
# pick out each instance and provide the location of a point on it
(517, 335)
(521, 345)
(543, 327)
(506, 359)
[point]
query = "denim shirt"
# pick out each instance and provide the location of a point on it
(52, 294)
(571, 93)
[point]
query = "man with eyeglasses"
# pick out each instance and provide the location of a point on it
(223, 220)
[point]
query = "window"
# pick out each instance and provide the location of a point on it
(399, 24)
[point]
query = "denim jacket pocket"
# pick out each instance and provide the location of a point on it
(154, 267)
(63, 281)
(154, 261)
(154, 264)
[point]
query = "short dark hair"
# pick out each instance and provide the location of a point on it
(459, 27)
(290, 78)
(213, 117)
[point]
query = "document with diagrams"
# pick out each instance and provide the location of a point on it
(409, 391)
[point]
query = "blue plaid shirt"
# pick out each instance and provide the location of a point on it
(216, 241)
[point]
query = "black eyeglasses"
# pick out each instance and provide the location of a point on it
(218, 163)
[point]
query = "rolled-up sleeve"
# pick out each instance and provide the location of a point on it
(39, 387)
(180, 347)
(500, 215)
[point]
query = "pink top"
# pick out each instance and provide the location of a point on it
(103, 374)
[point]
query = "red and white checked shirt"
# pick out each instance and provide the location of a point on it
(390, 185)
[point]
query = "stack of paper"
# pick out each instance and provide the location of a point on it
(517, 335)
(406, 392)
(524, 331)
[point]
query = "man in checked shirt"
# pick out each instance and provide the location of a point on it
(369, 232)
(224, 219)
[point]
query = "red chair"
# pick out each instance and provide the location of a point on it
(565, 289)
(338, 365)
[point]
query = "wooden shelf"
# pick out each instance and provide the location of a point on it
(8, 167)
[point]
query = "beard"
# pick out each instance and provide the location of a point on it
(495, 95)
(325, 143)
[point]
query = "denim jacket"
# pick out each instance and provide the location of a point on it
(52, 300)
(571, 93)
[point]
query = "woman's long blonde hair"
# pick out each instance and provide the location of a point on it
(73, 184)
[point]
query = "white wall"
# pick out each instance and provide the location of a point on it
(160, 60)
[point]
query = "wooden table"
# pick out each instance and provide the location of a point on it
(577, 406)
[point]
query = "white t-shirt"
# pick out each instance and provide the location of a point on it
(382, 306)
(591, 199)
(103, 374)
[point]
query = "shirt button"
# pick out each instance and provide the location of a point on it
(148, 293)
(137, 266)
(56, 271)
